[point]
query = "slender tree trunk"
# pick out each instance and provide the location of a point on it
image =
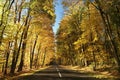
(85, 60)
(23, 51)
(16, 51)
(15, 55)
(25, 31)
(109, 33)
(38, 56)
(32, 54)
(7, 58)
(44, 58)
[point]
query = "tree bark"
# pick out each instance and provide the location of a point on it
(7, 58)
(16, 54)
(16, 51)
(109, 33)
(37, 57)
(25, 32)
(44, 56)
(32, 54)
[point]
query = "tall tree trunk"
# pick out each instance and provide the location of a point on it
(84, 60)
(7, 58)
(16, 54)
(25, 31)
(16, 51)
(44, 56)
(109, 33)
(38, 56)
(32, 54)
(23, 51)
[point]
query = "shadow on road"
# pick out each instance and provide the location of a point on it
(52, 74)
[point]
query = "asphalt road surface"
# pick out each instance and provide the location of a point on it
(59, 73)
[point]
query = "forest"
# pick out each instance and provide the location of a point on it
(88, 35)
(26, 36)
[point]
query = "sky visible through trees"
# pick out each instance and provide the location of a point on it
(83, 33)
(59, 11)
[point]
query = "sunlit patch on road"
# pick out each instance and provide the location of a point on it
(60, 73)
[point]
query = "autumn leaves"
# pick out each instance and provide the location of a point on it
(26, 36)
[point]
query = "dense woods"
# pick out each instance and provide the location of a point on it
(26, 35)
(89, 34)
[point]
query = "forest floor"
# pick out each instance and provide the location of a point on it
(24, 72)
(102, 72)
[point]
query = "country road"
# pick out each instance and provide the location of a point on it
(59, 73)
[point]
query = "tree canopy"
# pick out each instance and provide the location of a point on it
(89, 34)
(26, 35)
